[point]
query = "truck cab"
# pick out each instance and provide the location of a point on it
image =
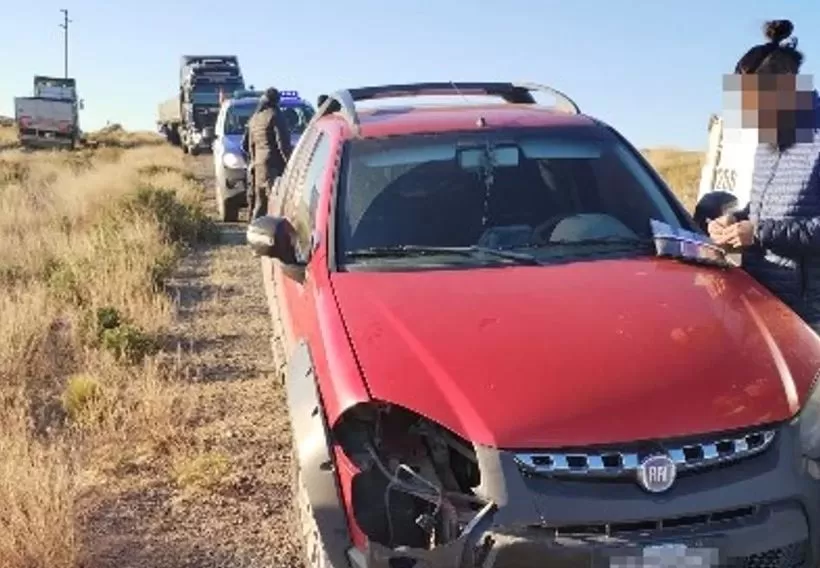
(189, 119)
(200, 107)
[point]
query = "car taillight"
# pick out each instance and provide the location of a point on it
(64, 125)
(25, 121)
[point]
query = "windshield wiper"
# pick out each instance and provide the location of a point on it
(685, 250)
(629, 242)
(605, 241)
(421, 250)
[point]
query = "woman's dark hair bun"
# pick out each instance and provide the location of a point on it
(778, 30)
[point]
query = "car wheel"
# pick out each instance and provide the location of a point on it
(313, 549)
(229, 210)
(194, 151)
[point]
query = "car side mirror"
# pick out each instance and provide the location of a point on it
(81, 104)
(713, 205)
(275, 238)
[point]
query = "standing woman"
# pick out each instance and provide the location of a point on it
(778, 231)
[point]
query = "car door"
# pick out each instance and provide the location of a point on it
(284, 188)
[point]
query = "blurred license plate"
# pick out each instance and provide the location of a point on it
(670, 555)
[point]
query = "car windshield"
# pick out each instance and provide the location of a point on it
(208, 93)
(296, 116)
(542, 191)
(205, 98)
(237, 116)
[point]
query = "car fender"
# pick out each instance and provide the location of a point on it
(311, 440)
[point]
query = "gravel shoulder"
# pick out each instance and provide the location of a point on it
(239, 433)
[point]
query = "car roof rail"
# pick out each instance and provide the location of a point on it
(344, 101)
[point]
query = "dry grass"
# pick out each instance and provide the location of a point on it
(116, 136)
(8, 134)
(680, 169)
(88, 240)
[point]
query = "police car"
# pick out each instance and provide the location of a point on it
(230, 162)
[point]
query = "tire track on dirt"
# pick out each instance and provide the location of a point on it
(223, 331)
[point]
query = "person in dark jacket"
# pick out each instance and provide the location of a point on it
(269, 147)
(778, 232)
(250, 187)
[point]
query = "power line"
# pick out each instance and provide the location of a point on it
(64, 25)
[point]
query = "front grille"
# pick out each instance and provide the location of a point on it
(611, 463)
(790, 556)
(653, 525)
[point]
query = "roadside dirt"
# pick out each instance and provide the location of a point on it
(240, 425)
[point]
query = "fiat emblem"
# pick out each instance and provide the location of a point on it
(656, 474)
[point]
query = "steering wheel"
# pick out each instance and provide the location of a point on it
(541, 233)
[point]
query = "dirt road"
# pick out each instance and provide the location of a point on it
(240, 427)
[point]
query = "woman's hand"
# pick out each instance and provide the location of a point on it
(736, 235)
(716, 227)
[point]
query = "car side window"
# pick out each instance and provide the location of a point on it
(300, 205)
(310, 185)
(296, 164)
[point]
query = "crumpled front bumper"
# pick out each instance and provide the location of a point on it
(763, 511)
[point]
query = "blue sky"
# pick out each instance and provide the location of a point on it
(652, 69)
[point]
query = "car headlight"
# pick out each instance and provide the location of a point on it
(233, 162)
(808, 421)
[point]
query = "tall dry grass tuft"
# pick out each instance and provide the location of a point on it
(681, 170)
(8, 134)
(89, 238)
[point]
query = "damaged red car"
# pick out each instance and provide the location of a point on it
(491, 361)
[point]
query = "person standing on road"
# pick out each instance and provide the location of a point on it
(250, 187)
(778, 232)
(269, 148)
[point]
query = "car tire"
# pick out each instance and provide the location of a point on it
(310, 542)
(194, 151)
(229, 210)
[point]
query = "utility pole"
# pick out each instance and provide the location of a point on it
(64, 25)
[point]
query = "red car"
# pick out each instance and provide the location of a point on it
(490, 363)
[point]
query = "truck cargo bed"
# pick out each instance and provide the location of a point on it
(45, 122)
(168, 112)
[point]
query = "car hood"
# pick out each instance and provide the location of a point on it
(579, 354)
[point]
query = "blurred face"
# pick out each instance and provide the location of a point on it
(779, 107)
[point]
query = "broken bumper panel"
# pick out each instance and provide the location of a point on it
(781, 541)
(762, 512)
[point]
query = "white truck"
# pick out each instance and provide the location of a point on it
(50, 118)
(726, 177)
